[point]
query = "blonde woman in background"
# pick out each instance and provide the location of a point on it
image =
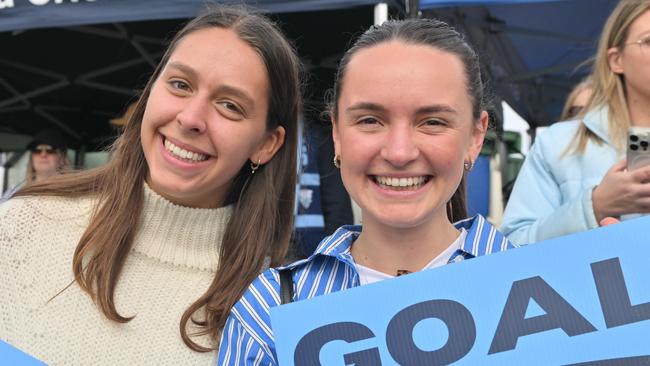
(575, 175)
(140, 261)
(576, 100)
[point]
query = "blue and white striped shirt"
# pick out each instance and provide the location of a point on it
(247, 337)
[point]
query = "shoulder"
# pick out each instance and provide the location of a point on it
(36, 209)
(558, 135)
(482, 238)
(552, 145)
(251, 313)
(264, 292)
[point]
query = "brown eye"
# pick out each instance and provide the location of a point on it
(231, 107)
(178, 84)
(368, 121)
(231, 110)
(433, 122)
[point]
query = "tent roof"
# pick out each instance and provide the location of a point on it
(533, 49)
(76, 78)
(24, 14)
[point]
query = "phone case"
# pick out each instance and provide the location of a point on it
(638, 147)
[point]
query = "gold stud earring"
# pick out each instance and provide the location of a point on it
(255, 166)
(337, 161)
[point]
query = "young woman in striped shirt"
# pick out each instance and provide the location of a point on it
(408, 114)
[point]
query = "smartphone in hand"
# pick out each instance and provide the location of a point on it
(638, 147)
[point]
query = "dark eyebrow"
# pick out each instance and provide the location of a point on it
(222, 89)
(365, 106)
(182, 67)
(434, 108)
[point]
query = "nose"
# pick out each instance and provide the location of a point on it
(193, 115)
(400, 147)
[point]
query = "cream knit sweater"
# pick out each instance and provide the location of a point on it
(172, 263)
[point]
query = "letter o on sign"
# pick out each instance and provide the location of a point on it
(459, 321)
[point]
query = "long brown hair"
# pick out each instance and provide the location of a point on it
(436, 34)
(609, 87)
(262, 218)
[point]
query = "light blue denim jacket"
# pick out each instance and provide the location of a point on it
(552, 194)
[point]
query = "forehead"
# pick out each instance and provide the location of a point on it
(641, 25)
(219, 54)
(407, 73)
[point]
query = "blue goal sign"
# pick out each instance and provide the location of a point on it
(582, 299)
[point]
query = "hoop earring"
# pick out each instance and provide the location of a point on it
(337, 161)
(255, 166)
(468, 165)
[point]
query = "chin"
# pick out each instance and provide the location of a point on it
(403, 220)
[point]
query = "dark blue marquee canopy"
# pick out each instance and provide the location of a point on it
(535, 50)
(29, 14)
(75, 64)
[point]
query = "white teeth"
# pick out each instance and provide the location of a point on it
(182, 153)
(400, 182)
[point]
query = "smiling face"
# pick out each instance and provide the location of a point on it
(403, 130)
(206, 117)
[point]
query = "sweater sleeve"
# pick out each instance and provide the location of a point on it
(536, 210)
(12, 257)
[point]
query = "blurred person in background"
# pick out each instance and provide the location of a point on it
(576, 100)
(575, 175)
(48, 157)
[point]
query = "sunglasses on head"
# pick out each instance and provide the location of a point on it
(44, 149)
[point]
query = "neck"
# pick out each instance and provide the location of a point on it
(41, 176)
(182, 236)
(389, 249)
(639, 107)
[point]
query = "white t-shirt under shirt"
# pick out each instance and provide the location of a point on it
(369, 275)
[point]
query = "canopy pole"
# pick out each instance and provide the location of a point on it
(381, 13)
(413, 8)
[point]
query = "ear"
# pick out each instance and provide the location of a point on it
(272, 142)
(478, 135)
(614, 60)
(335, 136)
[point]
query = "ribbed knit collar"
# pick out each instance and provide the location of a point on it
(181, 236)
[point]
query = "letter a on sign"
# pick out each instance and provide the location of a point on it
(559, 314)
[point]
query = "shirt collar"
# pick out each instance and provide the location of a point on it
(597, 121)
(482, 238)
